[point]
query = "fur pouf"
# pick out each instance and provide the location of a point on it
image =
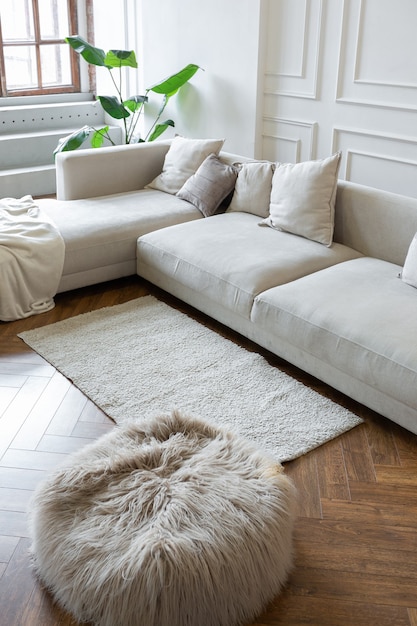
(168, 522)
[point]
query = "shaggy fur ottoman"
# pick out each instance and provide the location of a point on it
(169, 522)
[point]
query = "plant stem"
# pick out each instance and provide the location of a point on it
(119, 93)
(158, 117)
(135, 118)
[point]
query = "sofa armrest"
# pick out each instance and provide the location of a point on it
(104, 171)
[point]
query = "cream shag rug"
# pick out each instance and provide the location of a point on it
(144, 358)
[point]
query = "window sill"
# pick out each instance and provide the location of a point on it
(62, 98)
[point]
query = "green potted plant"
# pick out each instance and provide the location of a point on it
(127, 110)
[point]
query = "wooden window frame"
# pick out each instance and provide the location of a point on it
(74, 87)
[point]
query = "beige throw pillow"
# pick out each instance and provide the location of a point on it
(303, 197)
(182, 160)
(409, 273)
(210, 185)
(253, 188)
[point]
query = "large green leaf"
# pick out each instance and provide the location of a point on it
(119, 58)
(74, 140)
(98, 137)
(134, 102)
(171, 84)
(113, 107)
(159, 129)
(90, 53)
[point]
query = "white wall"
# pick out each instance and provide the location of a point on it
(221, 36)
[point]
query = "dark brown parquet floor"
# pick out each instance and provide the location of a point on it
(356, 531)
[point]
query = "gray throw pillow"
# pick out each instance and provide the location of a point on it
(210, 185)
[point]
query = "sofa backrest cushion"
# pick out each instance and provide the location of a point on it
(253, 187)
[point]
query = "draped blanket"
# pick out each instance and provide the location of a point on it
(31, 259)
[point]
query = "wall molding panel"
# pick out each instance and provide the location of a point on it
(293, 54)
(388, 162)
(378, 66)
(288, 141)
(281, 149)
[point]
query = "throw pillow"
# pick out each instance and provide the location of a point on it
(303, 197)
(182, 160)
(409, 273)
(253, 188)
(210, 185)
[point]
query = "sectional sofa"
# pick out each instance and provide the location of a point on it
(319, 271)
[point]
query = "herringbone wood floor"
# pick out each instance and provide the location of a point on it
(355, 536)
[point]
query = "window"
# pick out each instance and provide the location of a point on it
(34, 57)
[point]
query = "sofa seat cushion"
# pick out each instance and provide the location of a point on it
(357, 316)
(231, 258)
(103, 231)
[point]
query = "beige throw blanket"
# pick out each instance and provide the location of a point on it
(31, 259)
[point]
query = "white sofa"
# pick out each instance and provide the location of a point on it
(340, 312)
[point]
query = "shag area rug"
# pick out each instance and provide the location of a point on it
(170, 521)
(144, 358)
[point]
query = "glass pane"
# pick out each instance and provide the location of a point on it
(16, 20)
(20, 65)
(53, 18)
(55, 65)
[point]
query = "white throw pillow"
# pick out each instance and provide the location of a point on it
(303, 197)
(182, 160)
(409, 273)
(253, 188)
